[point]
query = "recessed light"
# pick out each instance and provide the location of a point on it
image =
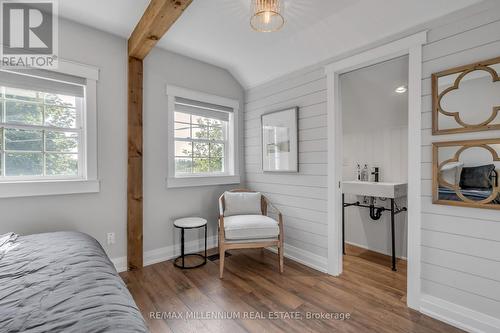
(401, 90)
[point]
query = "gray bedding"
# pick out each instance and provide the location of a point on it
(62, 282)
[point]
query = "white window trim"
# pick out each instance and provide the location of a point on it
(233, 174)
(88, 182)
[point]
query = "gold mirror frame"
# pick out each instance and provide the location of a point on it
(437, 97)
(437, 180)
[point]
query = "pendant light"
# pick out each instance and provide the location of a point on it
(267, 15)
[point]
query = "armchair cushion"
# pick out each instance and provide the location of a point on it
(246, 227)
(242, 203)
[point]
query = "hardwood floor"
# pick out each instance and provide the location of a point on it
(368, 291)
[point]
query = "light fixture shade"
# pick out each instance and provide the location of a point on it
(267, 15)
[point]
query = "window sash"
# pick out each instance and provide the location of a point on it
(79, 130)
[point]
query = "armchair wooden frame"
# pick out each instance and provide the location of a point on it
(228, 245)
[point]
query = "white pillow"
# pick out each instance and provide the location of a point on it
(450, 172)
(242, 203)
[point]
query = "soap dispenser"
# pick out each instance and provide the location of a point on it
(364, 173)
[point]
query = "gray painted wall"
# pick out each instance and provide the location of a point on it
(97, 214)
(460, 246)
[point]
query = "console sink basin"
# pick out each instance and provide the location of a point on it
(372, 189)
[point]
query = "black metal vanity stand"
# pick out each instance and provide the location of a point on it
(393, 211)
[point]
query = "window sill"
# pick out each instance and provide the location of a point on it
(47, 187)
(201, 181)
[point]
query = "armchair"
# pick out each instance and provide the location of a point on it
(250, 229)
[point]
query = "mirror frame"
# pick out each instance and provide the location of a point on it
(462, 127)
(462, 146)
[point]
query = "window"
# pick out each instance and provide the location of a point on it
(40, 128)
(44, 134)
(202, 138)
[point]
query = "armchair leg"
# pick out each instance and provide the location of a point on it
(222, 255)
(280, 255)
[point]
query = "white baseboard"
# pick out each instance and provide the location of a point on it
(375, 250)
(306, 258)
(166, 253)
(459, 316)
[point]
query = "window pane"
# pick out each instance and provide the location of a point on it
(61, 142)
(23, 113)
(23, 164)
(201, 165)
(216, 133)
(216, 165)
(60, 100)
(182, 130)
(182, 117)
(61, 164)
(216, 150)
(200, 149)
(16, 139)
(24, 95)
(183, 148)
(183, 165)
(60, 116)
(200, 132)
(1, 111)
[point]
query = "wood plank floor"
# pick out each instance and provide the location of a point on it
(368, 291)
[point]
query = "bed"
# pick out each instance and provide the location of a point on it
(62, 282)
(476, 184)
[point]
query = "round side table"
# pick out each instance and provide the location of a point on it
(190, 223)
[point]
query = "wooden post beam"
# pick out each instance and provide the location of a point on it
(157, 19)
(134, 179)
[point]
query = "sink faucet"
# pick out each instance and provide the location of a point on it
(375, 174)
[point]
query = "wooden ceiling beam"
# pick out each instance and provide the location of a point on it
(157, 19)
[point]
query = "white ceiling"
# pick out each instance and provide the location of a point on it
(218, 31)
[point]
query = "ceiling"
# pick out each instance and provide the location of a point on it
(218, 31)
(369, 93)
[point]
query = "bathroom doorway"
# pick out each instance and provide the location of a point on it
(374, 107)
(411, 46)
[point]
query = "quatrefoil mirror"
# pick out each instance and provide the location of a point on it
(466, 173)
(467, 98)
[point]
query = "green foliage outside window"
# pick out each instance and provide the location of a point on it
(205, 156)
(28, 152)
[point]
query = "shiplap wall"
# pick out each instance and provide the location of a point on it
(302, 197)
(460, 246)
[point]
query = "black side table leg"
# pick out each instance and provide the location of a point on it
(182, 247)
(205, 243)
(393, 236)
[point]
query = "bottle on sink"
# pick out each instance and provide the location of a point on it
(358, 171)
(364, 173)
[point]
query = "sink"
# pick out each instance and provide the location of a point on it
(372, 189)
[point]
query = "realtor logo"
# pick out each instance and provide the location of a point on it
(29, 33)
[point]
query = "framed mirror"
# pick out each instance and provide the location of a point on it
(465, 173)
(466, 98)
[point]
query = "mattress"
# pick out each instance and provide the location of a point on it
(62, 282)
